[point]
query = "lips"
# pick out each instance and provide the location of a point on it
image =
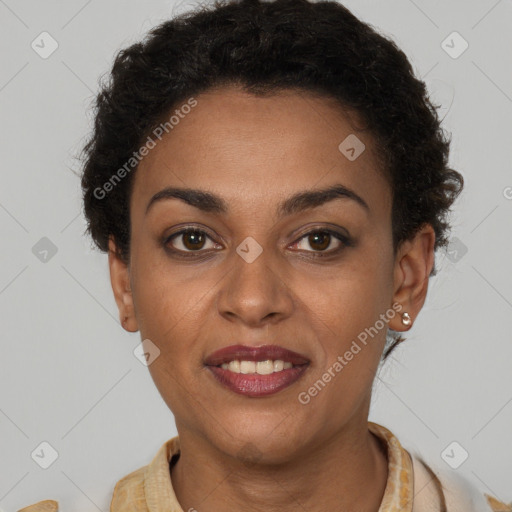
(245, 353)
(255, 384)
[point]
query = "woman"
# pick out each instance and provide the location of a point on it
(271, 182)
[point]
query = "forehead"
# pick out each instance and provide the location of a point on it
(255, 149)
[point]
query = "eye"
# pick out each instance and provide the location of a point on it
(322, 239)
(192, 239)
(189, 240)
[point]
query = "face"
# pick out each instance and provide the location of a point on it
(258, 269)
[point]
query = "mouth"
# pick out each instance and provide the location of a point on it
(256, 371)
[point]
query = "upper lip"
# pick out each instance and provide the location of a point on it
(261, 353)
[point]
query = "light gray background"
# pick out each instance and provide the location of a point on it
(68, 373)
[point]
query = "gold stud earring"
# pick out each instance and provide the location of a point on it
(406, 319)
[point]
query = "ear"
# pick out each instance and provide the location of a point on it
(413, 264)
(120, 280)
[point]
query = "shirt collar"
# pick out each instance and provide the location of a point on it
(158, 490)
(398, 494)
(399, 491)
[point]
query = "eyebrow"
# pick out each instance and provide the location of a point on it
(211, 203)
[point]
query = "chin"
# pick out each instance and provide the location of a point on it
(257, 445)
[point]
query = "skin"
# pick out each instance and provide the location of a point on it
(271, 453)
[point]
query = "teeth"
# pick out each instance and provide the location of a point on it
(233, 366)
(278, 365)
(261, 367)
(247, 366)
(265, 367)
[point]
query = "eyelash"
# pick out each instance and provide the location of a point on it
(345, 242)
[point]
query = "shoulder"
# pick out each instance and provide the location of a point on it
(147, 485)
(42, 506)
(129, 492)
(439, 489)
(128, 496)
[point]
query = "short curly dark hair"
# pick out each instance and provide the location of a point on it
(265, 46)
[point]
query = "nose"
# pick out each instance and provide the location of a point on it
(255, 293)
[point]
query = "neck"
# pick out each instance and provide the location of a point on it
(347, 472)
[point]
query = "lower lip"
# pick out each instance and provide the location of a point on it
(256, 385)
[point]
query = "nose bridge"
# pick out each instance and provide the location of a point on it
(254, 289)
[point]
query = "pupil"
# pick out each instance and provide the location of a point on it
(313, 239)
(197, 240)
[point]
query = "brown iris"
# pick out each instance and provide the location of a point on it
(193, 240)
(321, 239)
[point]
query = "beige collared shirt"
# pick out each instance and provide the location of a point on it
(411, 486)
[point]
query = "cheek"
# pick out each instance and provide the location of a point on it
(349, 300)
(346, 313)
(170, 312)
(351, 350)
(168, 297)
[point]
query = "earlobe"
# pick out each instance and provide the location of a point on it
(120, 281)
(413, 264)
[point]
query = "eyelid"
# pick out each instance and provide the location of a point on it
(326, 227)
(344, 239)
(184, 230)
